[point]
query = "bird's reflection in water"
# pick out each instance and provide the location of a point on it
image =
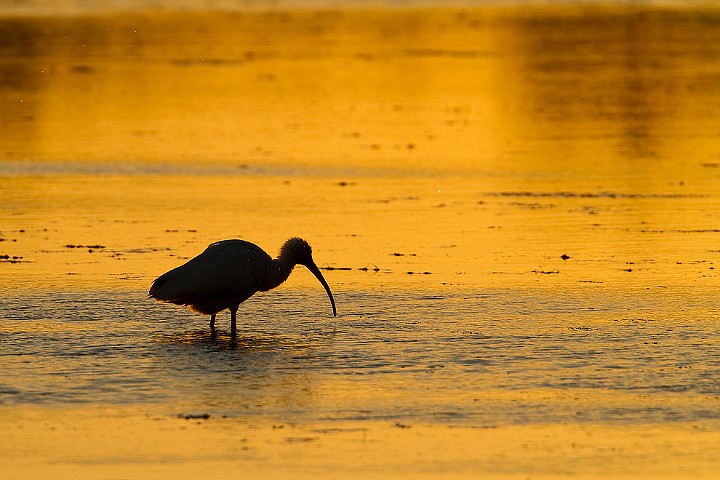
(219, 340)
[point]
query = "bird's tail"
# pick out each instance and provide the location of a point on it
(156, 289)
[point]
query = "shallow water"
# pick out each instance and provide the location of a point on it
(499, 357)
(515, 209)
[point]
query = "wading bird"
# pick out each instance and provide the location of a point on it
(229, 272)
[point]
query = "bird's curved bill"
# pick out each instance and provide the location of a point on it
(316, 271)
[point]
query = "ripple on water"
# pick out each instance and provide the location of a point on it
(445, 358)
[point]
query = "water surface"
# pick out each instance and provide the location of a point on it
(515, 208)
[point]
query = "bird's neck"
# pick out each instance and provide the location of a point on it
(278, 272)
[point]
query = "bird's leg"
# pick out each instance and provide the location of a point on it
(233, 323)
(212, 323)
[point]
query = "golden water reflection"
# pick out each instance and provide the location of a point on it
(604, 91)
(449, 233)
(516, 210)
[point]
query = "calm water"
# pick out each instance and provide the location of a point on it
(441, 164)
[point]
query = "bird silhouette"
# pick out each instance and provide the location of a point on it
(229, 272)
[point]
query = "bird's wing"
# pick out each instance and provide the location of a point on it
(231, 268)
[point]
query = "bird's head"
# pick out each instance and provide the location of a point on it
(296, 251)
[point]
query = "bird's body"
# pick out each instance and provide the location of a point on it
(229, 272)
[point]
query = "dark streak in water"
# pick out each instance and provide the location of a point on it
(593, 195)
